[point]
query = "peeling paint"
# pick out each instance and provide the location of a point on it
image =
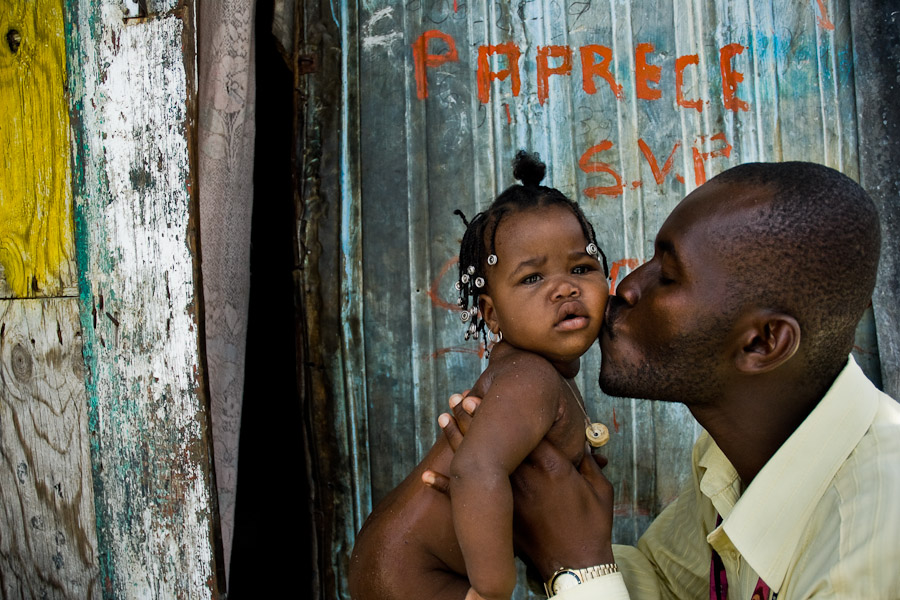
(155, 508)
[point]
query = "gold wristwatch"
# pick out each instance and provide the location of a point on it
(564, 578)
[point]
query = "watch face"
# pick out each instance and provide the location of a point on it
(563, 581)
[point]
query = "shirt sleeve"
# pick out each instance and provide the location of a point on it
(673, 551)
(671, 559)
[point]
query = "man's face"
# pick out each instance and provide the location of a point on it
(668, 327)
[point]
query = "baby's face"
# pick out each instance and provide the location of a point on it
(546, 294)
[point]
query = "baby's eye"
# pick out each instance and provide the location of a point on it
(533, 278)
(582, 269)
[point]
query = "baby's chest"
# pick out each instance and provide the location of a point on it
(568, 435)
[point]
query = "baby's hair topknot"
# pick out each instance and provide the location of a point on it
(528, 168)
(477, 251)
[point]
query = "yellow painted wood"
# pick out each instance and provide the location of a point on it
(36, 225)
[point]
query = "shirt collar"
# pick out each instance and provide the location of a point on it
(766, 522)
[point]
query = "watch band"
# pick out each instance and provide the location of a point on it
(564, 578)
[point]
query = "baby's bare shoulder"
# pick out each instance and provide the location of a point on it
(523, 359)
(520, 368)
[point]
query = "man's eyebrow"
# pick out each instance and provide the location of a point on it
(667, 247)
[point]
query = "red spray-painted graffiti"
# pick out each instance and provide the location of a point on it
(596, 60)
(822, 16)
(589, 165)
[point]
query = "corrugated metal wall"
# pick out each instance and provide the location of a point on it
(410, 110)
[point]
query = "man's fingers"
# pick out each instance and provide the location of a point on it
(436, 481)
(463, 409)
(601, 460)
(457, 398)
(547, 457)
(451, 430)
(591, 471)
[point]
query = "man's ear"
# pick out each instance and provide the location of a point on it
(766, 340)
(488, 312)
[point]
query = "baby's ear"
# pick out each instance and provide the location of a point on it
(488, 312)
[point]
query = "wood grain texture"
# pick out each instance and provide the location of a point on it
(133, 94)
(48, 538)
(37, 253)
(331, 434)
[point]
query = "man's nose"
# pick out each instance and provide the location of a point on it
(629, 289)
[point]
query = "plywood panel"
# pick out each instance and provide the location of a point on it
(48, 545)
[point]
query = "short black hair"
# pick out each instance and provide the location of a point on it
(811, 252)
(478, 241)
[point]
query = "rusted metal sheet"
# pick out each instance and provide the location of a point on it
(132, 84)
(330, 371)
(415, 110)
(876, 51)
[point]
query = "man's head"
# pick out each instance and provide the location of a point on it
(765, 267)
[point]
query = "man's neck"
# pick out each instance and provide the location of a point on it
(750, 428)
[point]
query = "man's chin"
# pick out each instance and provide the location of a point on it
(612, 386)
(613, 383)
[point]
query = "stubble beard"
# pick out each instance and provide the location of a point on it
(682, 370)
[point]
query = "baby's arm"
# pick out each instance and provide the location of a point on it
(518, 409)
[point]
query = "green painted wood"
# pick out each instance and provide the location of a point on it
(48, 537)
(132, 88)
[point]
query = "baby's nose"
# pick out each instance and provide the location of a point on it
(566, 289)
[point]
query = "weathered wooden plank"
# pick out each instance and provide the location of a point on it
(37, 252)
(320, 347)
(48, 538)
(133, 93)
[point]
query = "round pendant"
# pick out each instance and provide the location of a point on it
(597, 434)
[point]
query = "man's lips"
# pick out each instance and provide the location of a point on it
(610, 316)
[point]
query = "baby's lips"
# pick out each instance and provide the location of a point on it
(573, 324)
(570, 308)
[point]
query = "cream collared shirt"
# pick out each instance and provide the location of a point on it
(820, 520)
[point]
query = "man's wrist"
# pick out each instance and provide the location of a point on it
(566, 578)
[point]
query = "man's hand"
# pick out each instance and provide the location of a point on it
(563, 515)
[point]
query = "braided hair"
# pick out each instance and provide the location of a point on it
(477, 249)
